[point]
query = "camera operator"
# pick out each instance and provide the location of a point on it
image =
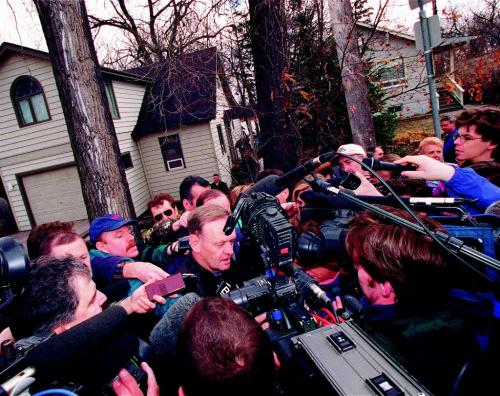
(403, 276)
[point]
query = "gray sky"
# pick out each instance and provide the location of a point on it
(20, 23)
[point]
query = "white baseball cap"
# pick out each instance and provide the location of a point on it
(351, 149)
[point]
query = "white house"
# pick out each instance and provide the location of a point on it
(158, 147)
(402, 70)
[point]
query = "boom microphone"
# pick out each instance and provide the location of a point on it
(292, 177)
(267, 185)
(164, 335)
(387, 166)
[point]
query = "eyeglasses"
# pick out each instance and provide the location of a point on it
(465, 138)
(167, 213)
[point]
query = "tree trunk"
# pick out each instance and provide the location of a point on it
(88, 119)
(353, 76)
(277, 140)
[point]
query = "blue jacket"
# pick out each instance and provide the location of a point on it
(467, 183)
(449, 147)
(103, 266)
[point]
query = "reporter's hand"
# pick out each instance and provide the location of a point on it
(126, 385)
(291, 208)
(182, 222)
(143, 271)
(262, 321)
(427, 168)
(366, 188)
(139, 302)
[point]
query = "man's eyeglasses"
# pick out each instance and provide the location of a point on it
(463, 138)
(167, 213)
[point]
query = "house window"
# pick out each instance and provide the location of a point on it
(172, 152)
(110, 95)
(393, 73)
(221, 139)
(395, 109)
(29, 101)
(126, 160)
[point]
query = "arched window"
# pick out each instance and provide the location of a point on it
(29, 101)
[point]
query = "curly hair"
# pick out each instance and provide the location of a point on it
(487, 122)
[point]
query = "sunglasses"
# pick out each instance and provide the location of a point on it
(167, 213)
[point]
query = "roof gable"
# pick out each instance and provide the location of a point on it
(7, 49)
(183, 92)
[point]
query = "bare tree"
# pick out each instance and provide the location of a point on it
(161, 31)
(353, 76)
(88, 119)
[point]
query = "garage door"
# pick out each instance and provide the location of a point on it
(55, 195)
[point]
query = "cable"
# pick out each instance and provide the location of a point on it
(413, 215)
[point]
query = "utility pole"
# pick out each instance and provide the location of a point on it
(88, 119)
(426, 40)
(352, 73)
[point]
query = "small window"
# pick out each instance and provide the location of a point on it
(171, 151)
(393, 73)
(126, 160)
(110, 95)
(395, 109)
(221, 139)
(29, 101)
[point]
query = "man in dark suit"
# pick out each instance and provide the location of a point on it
(218, 184)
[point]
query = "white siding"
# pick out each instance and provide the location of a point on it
(129, 98)
(223, 164)
(16, 141)
(413, 96)
(198, 152)
(9, 178)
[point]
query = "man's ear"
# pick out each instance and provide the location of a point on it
(194, 242)
(187, 205)
(386, 289)
(101, 246)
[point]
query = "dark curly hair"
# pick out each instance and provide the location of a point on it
(487, 122)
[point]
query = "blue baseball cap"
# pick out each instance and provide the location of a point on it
(106, 223)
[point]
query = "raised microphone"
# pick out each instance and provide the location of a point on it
(163, 337)
(267, 185)
(387, 166)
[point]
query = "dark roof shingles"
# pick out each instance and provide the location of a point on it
(183, 92)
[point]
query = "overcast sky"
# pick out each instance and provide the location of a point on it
(20, 23)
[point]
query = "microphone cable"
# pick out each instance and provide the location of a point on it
(412, 214)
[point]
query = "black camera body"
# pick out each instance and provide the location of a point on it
(256, 295)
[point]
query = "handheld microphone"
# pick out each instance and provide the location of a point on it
(92, 352)
(292, 177)
(387, 166)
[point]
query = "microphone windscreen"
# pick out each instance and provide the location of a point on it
(164, 335)
(267, 185)
(90, 352)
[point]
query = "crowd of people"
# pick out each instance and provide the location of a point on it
(402, 279)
